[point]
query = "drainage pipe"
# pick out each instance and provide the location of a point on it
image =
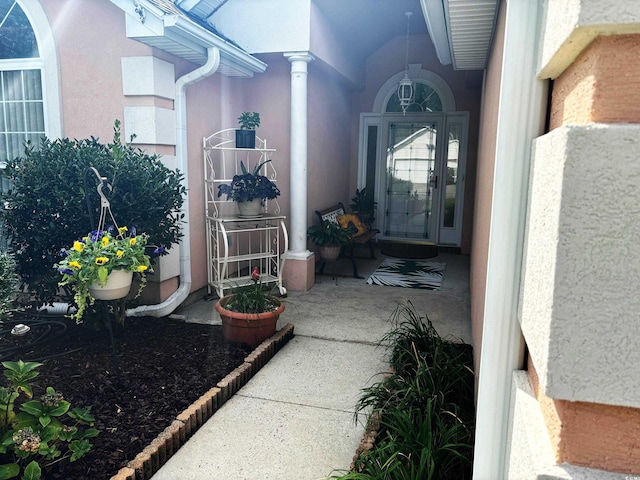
(180, 105)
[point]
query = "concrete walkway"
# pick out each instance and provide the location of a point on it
(294, 420)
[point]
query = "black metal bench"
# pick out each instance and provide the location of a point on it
(362, 235)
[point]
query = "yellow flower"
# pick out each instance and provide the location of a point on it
(132, 241)
(101, 260)
(121, 230)
(78, 246)
(119, 253)
(75, 264)
(142, 268)
(105, 241)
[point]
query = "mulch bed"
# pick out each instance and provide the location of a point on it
(164, 366)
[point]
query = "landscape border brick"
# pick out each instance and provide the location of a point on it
(167, 443)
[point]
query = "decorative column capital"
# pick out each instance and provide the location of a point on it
(299, 57)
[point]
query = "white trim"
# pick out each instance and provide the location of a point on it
(48, 62)
(434, 17)
(453, 235)
(366, 120)
(427, 77)
(520, 120)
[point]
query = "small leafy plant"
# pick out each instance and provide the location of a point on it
(362, 202)
(92, 258)
(249, 120)
(329, 234)
(249, 185)
(39, 432)
(254, 298)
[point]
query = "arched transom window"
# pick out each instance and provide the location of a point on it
(425, 99)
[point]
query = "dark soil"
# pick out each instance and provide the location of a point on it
(164, 366)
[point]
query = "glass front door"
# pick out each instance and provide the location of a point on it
(415, 166)
(410, 203)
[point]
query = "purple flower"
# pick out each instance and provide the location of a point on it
(111, 229)
(158, 250)
(132, 231)
(63, 253)
(95, 235)
(66, 271)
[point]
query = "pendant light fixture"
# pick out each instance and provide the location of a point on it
(405, 87)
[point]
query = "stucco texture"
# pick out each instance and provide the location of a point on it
(601, 86)
(580, 307)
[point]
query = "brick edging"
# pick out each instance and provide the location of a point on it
(165, 445)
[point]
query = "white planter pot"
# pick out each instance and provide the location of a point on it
(117, 286)
(251, 209)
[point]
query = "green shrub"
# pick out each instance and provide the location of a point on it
(47, 209)
(8, 284)
(425, 407)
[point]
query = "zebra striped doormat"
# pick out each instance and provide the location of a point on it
(402, 272)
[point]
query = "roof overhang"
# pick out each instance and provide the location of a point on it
(461, 30)
(177, 34)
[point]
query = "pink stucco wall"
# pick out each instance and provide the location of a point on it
(484, 186)
(89, 53)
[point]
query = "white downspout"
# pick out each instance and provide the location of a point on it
(520, 120)
(180, 105)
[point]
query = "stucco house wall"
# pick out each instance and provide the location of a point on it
(578, 302)
(484, 185)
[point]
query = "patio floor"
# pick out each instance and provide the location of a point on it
(295, 418)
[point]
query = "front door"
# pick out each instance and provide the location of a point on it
(410, 181)
(415, 165)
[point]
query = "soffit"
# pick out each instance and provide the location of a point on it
(470, 25)
(366, 25)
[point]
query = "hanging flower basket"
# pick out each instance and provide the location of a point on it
(117, 286)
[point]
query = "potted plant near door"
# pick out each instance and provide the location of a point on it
(101, 265)
(330, 237)
(249, 190)
(246, 135)
(250, 314)
(364, 206)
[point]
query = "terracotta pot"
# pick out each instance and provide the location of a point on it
(249, 328)
(252, 208)
(117, 286)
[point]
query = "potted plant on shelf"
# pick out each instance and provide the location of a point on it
(250, 314)
(101, 266)
(330, 237)
(246, 135)
(249, 190)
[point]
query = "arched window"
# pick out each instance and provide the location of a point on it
(425, 99)
(21, 93)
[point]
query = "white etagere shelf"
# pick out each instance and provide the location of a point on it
(235, 245)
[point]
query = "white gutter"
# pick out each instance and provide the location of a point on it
(434, 16)
(180, 105)
(520, 119)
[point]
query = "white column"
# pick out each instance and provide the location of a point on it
(298, 181)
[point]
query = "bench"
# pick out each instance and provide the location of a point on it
(362, 236)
